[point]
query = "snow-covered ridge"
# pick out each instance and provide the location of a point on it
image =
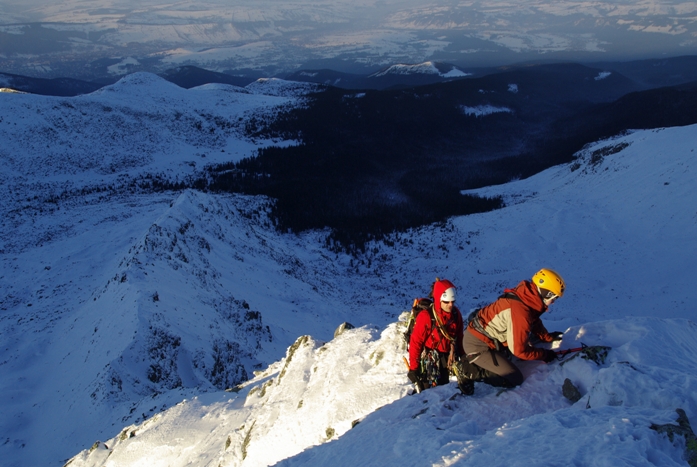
(318, 407)
(79, 240)
(426, 68)
(140, 125)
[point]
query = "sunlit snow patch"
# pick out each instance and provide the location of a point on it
(123, 66)
(426, 68)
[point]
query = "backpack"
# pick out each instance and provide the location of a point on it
(420, 304)
(473, 319)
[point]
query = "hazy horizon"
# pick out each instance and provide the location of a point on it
(102, 38)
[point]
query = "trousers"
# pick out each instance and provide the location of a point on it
(491, 366)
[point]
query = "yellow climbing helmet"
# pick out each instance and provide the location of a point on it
(549, 280)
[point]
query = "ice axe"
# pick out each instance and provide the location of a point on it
(417, 389)
(565, 352)
(596, 353)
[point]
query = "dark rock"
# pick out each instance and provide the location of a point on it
(683, 429)
(343, 327)
(570, 391)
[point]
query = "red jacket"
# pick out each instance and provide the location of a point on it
(430, 337)
(511, 322)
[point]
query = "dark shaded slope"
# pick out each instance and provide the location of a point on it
(330, 78)
(655, 73)
(382, 79)
(190, 76)
(64, 87)
(375, 161)
(655, 108)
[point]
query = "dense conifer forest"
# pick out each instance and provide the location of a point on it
(373, 162)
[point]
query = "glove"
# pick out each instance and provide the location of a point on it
(550, 356)
(556, 335)
(415, 378)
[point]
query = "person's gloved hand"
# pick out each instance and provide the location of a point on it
(550, 356)
(415, 378)
(556, 335)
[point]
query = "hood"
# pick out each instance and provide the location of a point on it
(527, 291)
(438, 288)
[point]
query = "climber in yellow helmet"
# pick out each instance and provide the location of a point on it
(503, 329)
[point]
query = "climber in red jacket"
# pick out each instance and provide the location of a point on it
(436, 337)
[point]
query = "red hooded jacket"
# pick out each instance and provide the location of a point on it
(511, 322)
(430, 337)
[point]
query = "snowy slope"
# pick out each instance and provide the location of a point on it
(111, 295)
(619, 224)
(319, 392)
(119, 304)
(534, 424)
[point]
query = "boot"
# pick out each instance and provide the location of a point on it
(466, 385)
(465, 380)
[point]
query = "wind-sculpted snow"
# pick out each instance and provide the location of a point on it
(318, 407)
(331, 386)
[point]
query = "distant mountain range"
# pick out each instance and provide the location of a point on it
(645, 74)
(101, 39)
(399, 75)
(189, 76)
